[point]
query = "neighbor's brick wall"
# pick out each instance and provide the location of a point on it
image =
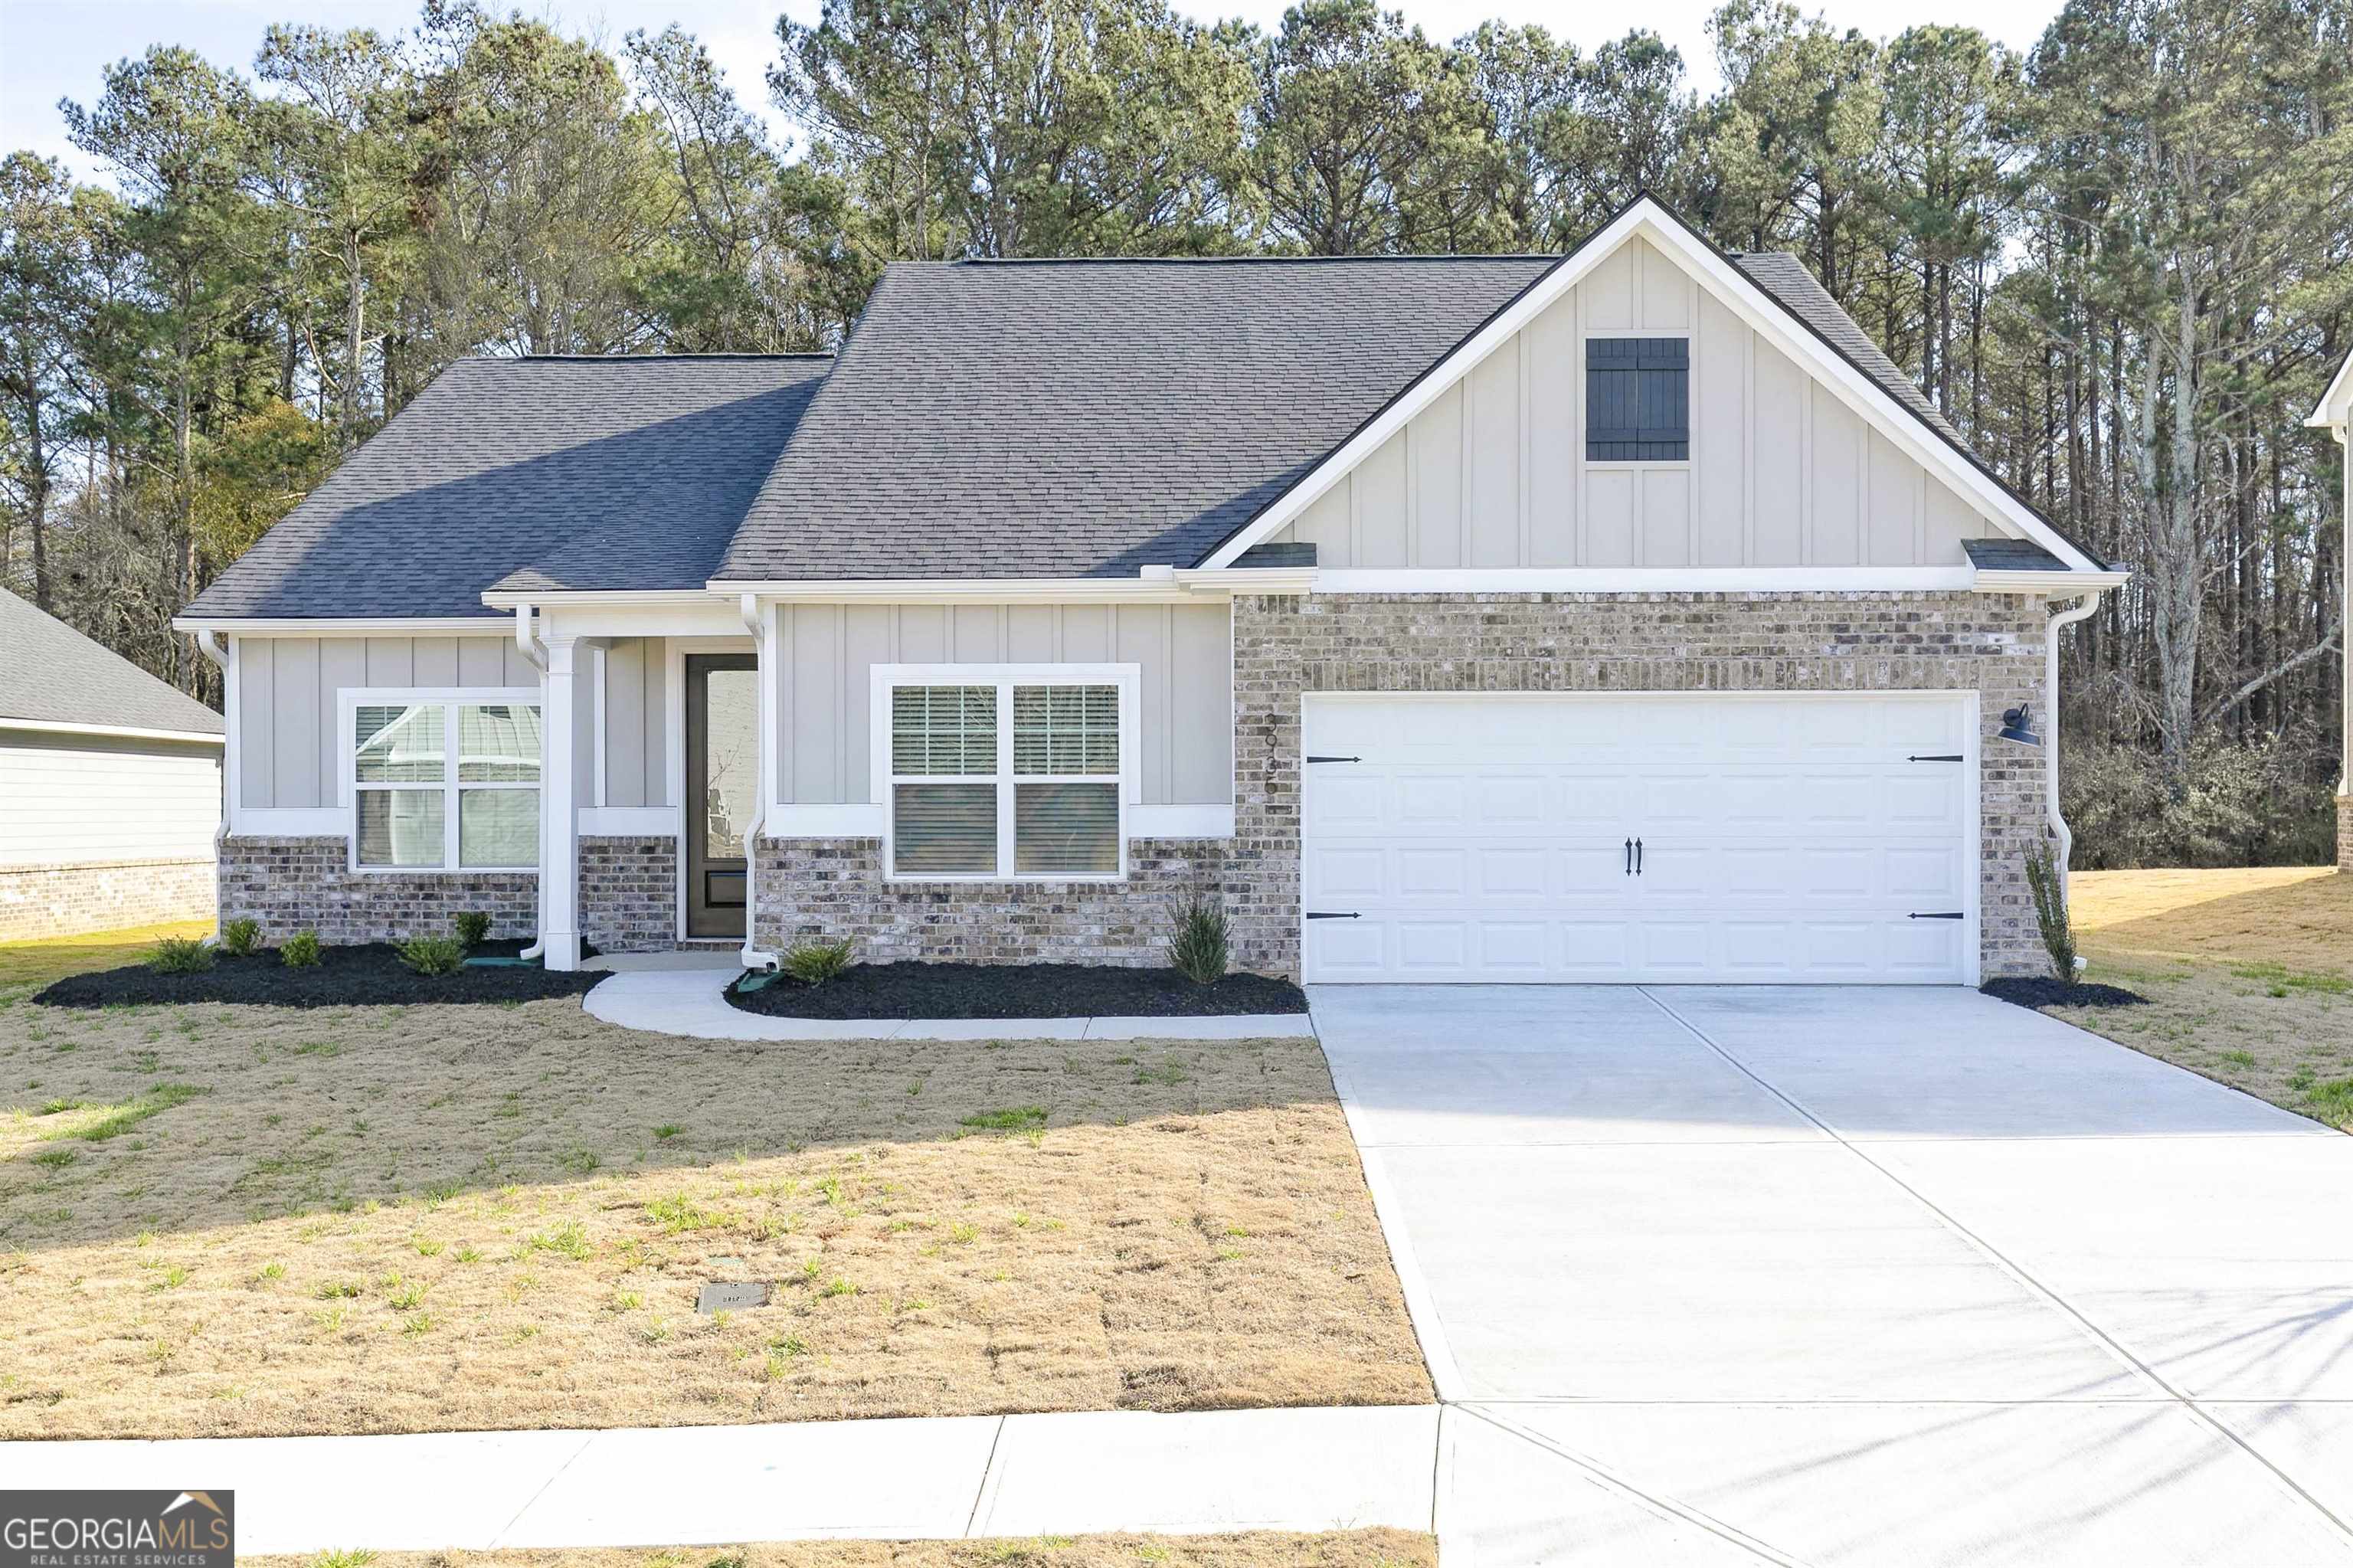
(834, 887)
(291, 884)
(1664, 642)
(101, 896)
(628, 893)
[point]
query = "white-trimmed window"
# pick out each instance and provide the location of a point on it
(1003, 772)
(443, 780)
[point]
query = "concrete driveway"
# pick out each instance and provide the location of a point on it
(1721, 1275)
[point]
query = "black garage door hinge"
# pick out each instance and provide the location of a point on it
(1941, 914)
(1335, 759)
(1329, 914)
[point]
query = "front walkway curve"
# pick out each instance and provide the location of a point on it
(1853, 1276)
(687, 1001)
(938, 1478)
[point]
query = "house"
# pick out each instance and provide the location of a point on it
(110, 787)
(2335, 414)
(1621, 615)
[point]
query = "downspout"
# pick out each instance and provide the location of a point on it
(223, 654)
(751, 956)
(2059, 829)
(534, 654)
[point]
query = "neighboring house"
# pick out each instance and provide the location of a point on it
(2334, 415)
(1616, 616)
(110, 787)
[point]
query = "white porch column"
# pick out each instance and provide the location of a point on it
(559, 785)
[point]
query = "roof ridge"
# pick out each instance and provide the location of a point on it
(1234, 260)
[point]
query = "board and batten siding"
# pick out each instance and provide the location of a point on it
(1782, 473)
(825, 687)
(637, 723)
(290, 753)
(76, 798)
(288, 689)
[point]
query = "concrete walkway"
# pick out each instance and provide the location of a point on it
(685, 999)
(1852, 1277)
(693, 1486)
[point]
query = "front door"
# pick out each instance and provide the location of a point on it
(723, 773)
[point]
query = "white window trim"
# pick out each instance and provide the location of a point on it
(1127, 678)
(351, 699)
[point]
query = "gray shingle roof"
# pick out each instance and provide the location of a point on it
(50, 673)
(622, 472)
(1086, 418)
(2010, 555)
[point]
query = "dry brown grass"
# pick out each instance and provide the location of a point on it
(2249, 974)
(451, 1218)
(1258, 1549)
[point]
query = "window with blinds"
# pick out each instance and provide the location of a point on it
(1006, 779)
(438, 784)
(1636, 399)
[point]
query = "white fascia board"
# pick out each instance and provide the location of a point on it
(2335, 409)
(2060, 583)
(1732, 288)
(964, 590)
(1225, 581)
(116, 731)
(349, 626)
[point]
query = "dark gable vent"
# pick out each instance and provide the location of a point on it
(1636, 399)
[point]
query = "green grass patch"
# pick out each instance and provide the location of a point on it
(1011, 1118)
(113, 1121)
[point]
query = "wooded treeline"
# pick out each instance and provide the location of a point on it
(2119, 262)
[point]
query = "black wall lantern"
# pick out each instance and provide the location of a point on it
(2018, 724)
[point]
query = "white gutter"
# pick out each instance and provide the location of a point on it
(534, 652)
(2059, 829)
(223, 654)
(755, 622)
(116, 731)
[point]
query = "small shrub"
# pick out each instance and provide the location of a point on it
(181, 956)
(473, 927)
(240, 936)
(815, 961)
(433, 955)
(2042, 879)
(1199, 950)
(300, 950)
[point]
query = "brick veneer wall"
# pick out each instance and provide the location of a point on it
(1662, 642)
(101, 896)
(834, 887)
(2345, 833)
(628, 893)
(1457, 643)
(292, 884)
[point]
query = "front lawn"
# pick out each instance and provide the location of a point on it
(2249, 974)
(1256, 1549)
(238, 1219)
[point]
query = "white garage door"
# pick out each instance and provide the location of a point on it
(1515, 839)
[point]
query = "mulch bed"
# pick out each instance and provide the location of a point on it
(1015, 990)
(367, 974)
(2040, 991)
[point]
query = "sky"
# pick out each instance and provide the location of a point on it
(56, 49)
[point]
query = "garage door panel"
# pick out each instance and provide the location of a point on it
(1784, 838)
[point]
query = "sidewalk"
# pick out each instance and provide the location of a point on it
(675, 1000)
(929, 1478)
